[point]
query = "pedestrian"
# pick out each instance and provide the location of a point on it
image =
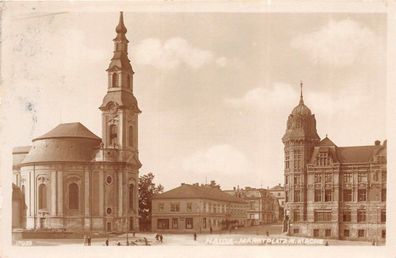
(267, 233)
(107, 242)
(145, 241)
(161, 237)
(133, 233)
(89, 241)
(118, 243)
(195, 236)
(211, 230)
(157, 237)
(327, 243)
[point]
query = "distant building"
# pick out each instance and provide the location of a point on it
(72, 180)
(262, 207)
(197, 208)
(278, 192)
(332, 191)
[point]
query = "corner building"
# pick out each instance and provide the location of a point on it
(332, 192)
(71, 179)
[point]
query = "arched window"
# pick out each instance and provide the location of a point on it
(130, 135)
(131, 196)
(42, 196)
(113, 135)
(114, 80)
(73, 196)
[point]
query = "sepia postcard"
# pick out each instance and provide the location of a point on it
(218, 129)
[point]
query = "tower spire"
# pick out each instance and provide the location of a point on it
(301, 93)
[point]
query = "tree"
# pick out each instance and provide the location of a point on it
(147, 189)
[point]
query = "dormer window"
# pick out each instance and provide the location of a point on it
(322, 159)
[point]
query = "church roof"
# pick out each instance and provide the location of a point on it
(187, 191)
(69, 130)
(301, 109)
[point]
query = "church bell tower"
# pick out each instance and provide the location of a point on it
(119, 107)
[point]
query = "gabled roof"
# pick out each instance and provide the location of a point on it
(69, 130)
(187, 191)
(277, 188)
(326, 142)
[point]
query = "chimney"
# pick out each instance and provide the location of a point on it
(377, 143)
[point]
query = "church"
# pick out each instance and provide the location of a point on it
(332, 191)
(72, 180)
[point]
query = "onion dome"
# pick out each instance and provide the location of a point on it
(301, 109)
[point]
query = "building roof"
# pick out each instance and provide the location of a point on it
(277, 188)
(187, 191)
(326, 142)
(21, 149)
(356, 154)
(69, 130)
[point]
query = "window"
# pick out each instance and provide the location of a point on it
(297, 159)
(362, 177)
(328, 177)
(383, 233)
(296, 231)
(296, 195)
(73, 196)
(114, 78)
(328, 195)
(42, 196)
(347, 195)
(189, 206)
(383, 176)
(210, 207)
(322, 159)
(361, 216)
(296, 180)
(189, 223)
(286, 180)
(327, 232)
(296, 215)
(346, 232)
(204, 222)
(383, 195)
(163, 223)
(346, 216)
(361, 195)
(109, 179)
(108, 211)
(286, 196)
(128, 81)
(383, 216)
(318, 178)
(131, 224)
(318, 195)
(175, 223)
(347, 178)
(375, 176)
(161, 206)
(113, 135)
(175, 207)
(287, 160)
(316, 232)
(131, 196)
(130, 135)
(361, 233)
(321, 216)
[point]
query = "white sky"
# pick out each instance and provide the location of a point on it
(215, 88)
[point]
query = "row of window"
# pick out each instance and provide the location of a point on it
(325, 216)
(328, 195)
(74, 196)
(113, 135)
(346, 233)
(207, 207)
(164, 223)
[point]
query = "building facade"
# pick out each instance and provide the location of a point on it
(72, 180)
(197, 208)
(278, 192)
(331, 191)
(262, 207)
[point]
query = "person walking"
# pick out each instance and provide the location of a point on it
(89, 241)
(161, 237)
(107, 242)
(211, 230)
(195, 236)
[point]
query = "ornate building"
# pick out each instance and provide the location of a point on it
(331, 191)
(73, 180)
